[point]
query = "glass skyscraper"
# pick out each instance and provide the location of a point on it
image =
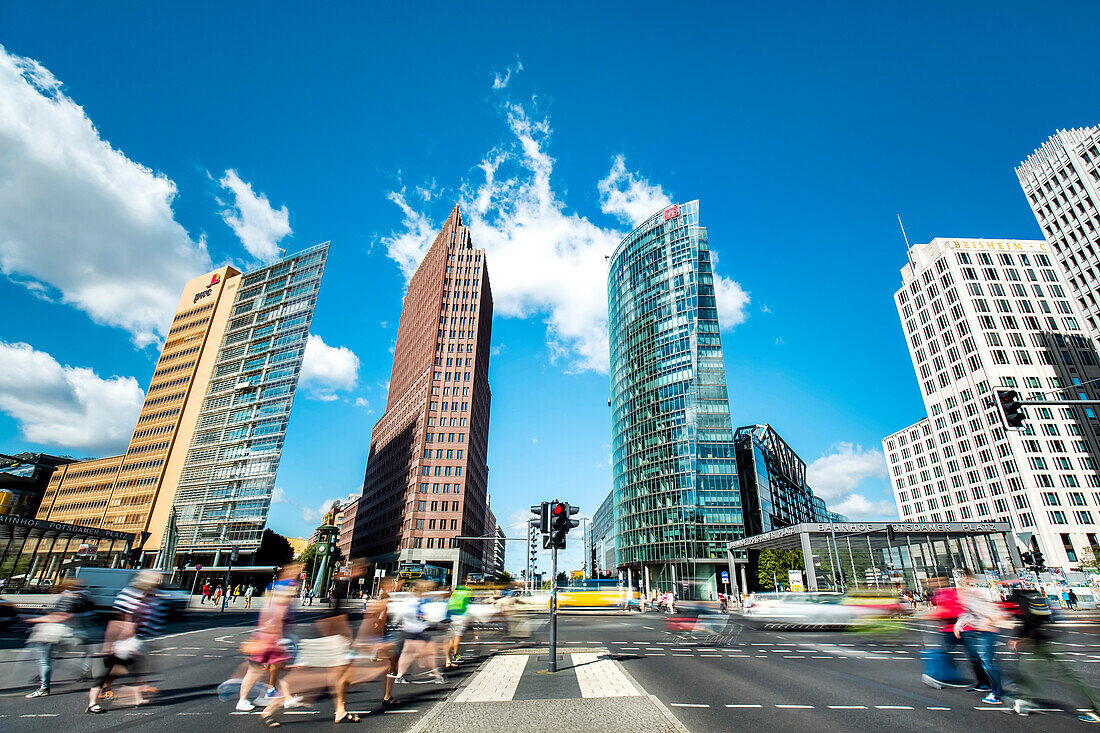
(675, 475)
(229, 474)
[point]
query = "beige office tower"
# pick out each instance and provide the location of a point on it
(235, 345)
(121, 492)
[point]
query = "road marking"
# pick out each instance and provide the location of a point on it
(744, 706)
(601, 677)
(799, 707)
(40, 715)
(687, 705)
(412, 710)
(1000, 708)
(683, 655)
(848, 707)
(937, 708)
(648, 627)
(894, 707)
(710, 655)
(497, 681)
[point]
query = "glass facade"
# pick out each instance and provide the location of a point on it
(229, 475)
(773, 485)
(675, 488)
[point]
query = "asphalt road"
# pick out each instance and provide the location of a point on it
(762, 679)
(819, 681)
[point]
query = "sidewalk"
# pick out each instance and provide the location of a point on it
(512, 691)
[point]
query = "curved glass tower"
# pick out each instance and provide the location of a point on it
(675, 486)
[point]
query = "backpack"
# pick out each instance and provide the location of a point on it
(1035, 612)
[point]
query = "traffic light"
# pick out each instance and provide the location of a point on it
(541, 520)
(560, 524)
(1027, 560)
(1011, 409)
(1037, 560)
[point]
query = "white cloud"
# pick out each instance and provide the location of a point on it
(630, 198)
(79, 221)
(541, 259)
(842, 471)
(779, 341)
(309, 514)
(327, 369)
(362, 402)
(252, 218)
(69, 407)
(858, 506)
(837, 475)
(501, 82)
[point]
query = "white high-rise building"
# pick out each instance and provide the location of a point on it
(978, 315)
(1062, 183)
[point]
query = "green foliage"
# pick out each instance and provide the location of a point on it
(774, 564)
(562, 580)
(506, 577)
(274, 549)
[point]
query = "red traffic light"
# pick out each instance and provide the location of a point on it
(557, 509)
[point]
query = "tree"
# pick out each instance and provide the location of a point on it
(506, 577)
(274, 549)
(562, 580)
(774, 564)
(1091, 561)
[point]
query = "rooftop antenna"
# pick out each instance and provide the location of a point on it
(908, 248)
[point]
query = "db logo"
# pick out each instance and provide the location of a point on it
(672, 212)
(214, 280)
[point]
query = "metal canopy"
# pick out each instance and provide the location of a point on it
(790, 538)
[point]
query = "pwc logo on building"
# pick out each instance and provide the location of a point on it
(214, 280)
(672, 212)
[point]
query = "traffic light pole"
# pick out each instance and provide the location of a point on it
(554, 610)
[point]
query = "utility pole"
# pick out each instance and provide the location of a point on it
(554, 610)
(228, 570)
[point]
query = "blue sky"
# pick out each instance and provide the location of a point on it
(803, 130)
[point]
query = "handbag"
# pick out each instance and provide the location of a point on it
(127, 648)
(49, 633)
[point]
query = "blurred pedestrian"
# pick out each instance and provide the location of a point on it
(978, 626)
(419, 646)
(248, 596)
(940, 670)
(217, 597)
(236, 594)
(268, 650)
(63, 625)
(457, 607)
(1034, 636)
(140, 614)
(205, 592)
(1072, 598)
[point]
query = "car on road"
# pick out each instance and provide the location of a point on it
(818, 610)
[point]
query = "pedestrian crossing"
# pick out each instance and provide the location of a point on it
(585, 675)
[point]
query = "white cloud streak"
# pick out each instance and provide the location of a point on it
(501, 82)
(837, 475)
(543, 260)
(79, 221)
(328, 369)
(65, 406)
(256, 223)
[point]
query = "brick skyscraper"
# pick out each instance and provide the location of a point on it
(426, 479)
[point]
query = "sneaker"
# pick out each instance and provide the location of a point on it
(1089, 717)
(438, 679)
(981, 688)
(272, 693)
(1022, 707)
(292, 702)
(245, 706)
(400, 680)
(991, 699)
(40, 692)
(456, 658)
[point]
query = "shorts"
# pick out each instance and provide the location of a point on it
(459, 624)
